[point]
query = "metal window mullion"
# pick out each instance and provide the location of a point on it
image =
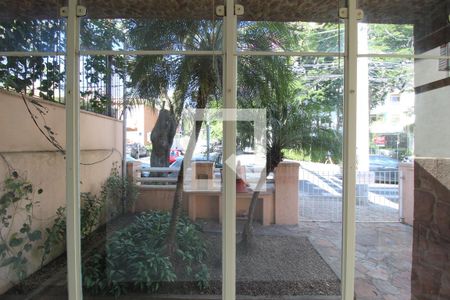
(229, 190)
(150, 52)
(403, 56)
(289, 53)
(30, 53)
(349, 164)
(73, 155)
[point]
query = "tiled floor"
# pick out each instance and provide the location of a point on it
(383, 256)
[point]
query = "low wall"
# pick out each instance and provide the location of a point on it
(277, 205)
(28, 152)
(407, 192)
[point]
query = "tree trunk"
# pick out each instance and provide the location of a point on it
(274, 157)
(170, 240)
(247, 232)
(162, 138)
(178, 198)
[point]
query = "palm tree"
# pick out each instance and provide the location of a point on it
(196, 79)
(271, 83)
(192, 80)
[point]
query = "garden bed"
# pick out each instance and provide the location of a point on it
(277, 266)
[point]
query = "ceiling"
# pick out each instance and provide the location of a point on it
(376, 11)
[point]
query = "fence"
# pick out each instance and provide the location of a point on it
(377, 196)
(101, 86)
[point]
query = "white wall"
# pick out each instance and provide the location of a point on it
(432, 131)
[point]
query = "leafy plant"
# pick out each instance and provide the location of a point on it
(134, 257)
(16, 205)
(55, 234)
(118, 193)
(115, 190)
(90, 218)
(90, 213)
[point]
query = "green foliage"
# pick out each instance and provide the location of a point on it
(134, 257)
(23, 73)
(118, 193)
(16, 205)
(295, 155)
(56, 234)
(91, 211)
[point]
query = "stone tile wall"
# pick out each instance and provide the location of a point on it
(430, 277)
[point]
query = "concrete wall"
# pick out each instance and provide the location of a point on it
(277, 205)
(27, 151)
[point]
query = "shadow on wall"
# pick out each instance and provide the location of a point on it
(24, 148)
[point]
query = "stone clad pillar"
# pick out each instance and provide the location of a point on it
(286, 193)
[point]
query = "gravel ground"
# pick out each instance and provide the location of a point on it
(277, 265)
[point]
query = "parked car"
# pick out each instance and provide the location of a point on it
(138, 151)
(174, 154)
(385, 169)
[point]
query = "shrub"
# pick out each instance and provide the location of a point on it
(113, 191)
(118, 193)
(134, 257)
(90, 218)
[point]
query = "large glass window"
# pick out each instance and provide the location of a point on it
(156, 215)
(402, 65)
(32, 156)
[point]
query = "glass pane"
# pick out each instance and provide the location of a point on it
(39, 76)
(32, 163)
(291, 36)
(385, 177)
(135, 252)
(405, 27)
(177, 176)
(289, 241)
(32, 178)
(398, 260)
(47, 35)
(431, 188)
(151, 34)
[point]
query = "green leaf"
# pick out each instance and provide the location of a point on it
(8, 261)
(35, 235)
(14, 242)
(3, 248)
(27, 247)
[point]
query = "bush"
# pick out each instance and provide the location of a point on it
(17, 237)
(90, 218)
(114, 190)
(118, 193)
(134, 257)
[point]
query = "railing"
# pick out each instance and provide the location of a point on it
(377, 196)
(158, 182)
